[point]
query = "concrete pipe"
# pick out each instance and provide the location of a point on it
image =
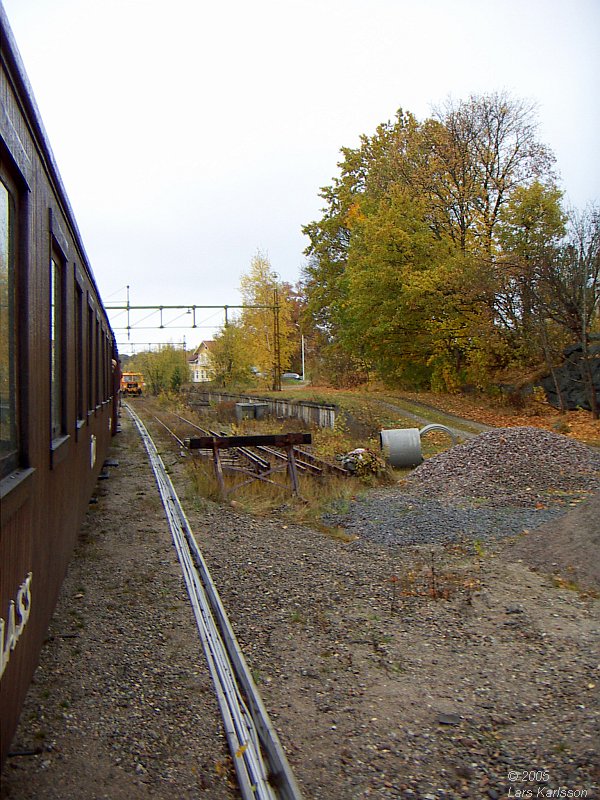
(437, 427)
(401, 447)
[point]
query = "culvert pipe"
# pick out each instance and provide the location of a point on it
(401, 447)
(437, 427)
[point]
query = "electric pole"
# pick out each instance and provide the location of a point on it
(276, 343)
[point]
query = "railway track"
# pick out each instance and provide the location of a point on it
(259, 458)
(260, 762)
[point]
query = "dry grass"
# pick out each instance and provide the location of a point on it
(259, 498)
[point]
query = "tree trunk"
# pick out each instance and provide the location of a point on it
(586, 369)
(550, 366)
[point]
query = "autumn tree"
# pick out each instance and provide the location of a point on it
(567, 287)
(531, 226)
(408, 248)
(366, 174)
(416, 312)
(267, 320)
(485, 148)
(164, 370)
(231, 358)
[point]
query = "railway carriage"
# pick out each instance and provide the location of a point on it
(58, 383)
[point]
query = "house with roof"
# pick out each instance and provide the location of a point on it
(200, 364)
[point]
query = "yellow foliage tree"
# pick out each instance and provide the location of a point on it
(230, 357)
(272, 314)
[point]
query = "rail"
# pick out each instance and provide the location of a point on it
(261, 464)
(261, 765)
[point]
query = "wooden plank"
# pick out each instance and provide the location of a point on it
(292, 471)
(224, 442)
(219, 471)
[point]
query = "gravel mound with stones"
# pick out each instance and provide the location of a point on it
(499, 484)
(515, 466)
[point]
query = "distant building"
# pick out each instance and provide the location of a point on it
(200, 364)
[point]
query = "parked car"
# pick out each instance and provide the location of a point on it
(291, 376)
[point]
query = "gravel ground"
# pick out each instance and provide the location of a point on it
(445, 668)
(499, 484)
(390, 517)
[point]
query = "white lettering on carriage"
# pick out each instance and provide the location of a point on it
(10, 630)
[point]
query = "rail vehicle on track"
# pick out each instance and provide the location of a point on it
(132, 383)
(59, 383)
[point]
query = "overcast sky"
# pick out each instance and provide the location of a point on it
(190, 134)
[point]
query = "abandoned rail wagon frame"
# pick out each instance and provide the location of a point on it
(58, 383)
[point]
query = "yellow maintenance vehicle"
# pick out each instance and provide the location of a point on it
(132, 383)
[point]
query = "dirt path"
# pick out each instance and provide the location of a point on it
(425, 414)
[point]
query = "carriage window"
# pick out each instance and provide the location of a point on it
(101, 369)
(90, 354)
(105, 367)
(97, 360)
(79, 380)
(56, 345)
(8, 372)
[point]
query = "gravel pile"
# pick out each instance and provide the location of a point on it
(499, 484)
(514, 466)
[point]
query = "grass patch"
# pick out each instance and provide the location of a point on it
(317, 496)
(569, 583)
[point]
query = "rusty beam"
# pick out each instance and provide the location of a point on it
(224, 442)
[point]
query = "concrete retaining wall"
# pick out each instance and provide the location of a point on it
(312, 413)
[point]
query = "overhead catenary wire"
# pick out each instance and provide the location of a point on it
(260, 762)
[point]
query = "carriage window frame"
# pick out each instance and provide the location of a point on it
(57, 322)
(10, 423)
(90, 356)
(104, 372)
(97, 363)
(78, 323)
(56, 344)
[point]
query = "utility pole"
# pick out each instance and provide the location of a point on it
(276, 343)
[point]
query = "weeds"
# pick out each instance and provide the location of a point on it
(429, 581)
(317, 496)
(569, 583)
(316, 493)
(478, 548)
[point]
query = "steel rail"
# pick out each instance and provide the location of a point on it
(250, 733)
(256, 460)
(277, 455)
(228, 463)
(173, 434)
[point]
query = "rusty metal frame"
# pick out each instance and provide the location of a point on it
(217, 443)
